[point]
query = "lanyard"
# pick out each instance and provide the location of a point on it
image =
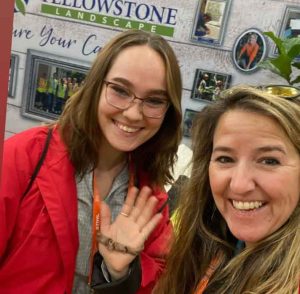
(209, 272)
(96, 225)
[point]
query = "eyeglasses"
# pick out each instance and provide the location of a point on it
(121, 97)
(283, 91)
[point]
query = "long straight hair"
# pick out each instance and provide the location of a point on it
(79, 121)
(272, 265)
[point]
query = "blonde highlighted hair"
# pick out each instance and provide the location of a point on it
(271, 265)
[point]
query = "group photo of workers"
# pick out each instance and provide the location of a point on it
(54, 86)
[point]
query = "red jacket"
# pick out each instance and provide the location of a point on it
(39, 235)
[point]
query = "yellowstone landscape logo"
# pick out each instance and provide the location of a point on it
(20, 6)
(126, 14)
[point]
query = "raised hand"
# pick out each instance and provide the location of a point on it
(128, 232)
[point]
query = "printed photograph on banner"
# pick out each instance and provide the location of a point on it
(50, 82)
(249, 50)
(189, 116)
(210, 22)
(290, 25)
(208, 85)
(12, 75)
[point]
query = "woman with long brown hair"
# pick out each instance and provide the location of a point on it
(94, 218)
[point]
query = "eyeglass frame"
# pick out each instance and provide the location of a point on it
(134, 97)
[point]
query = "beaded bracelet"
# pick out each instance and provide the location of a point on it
(111, 245)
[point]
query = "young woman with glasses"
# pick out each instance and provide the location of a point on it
(95, 217)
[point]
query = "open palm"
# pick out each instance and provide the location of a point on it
(131, 231)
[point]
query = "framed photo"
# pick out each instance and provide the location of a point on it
(290, 26)
(12, 76)
(189, 116)
(208, 85)
(210, 22)
(249, 50)
(49, 82)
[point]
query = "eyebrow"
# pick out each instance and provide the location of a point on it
(272, 148)
(128, 84)
(222, 148)
(260, 149)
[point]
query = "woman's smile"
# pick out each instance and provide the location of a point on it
(246, 205)
(254, 174)
(126, 128)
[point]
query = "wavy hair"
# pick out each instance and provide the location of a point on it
(272, 265)
(79, 125)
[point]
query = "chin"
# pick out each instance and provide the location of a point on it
(125, 148)
(247, 237)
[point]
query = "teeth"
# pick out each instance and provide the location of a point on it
(246, 205)
(126, 128)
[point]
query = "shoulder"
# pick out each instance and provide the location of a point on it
(21, 153)
(26, 140)
(28, 145)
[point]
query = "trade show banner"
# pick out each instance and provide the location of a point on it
(59, 39)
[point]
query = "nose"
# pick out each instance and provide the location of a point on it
(242, 179)
(134, 112)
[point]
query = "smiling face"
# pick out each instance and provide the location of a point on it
(254, 174)
(253, 39)
(141, 70)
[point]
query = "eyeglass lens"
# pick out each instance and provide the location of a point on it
(121, 98)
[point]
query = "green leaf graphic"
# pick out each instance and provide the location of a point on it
(20, 6)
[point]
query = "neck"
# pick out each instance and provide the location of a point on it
(109, 166)
(110, 158)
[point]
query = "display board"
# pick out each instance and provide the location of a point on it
(62, 37)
